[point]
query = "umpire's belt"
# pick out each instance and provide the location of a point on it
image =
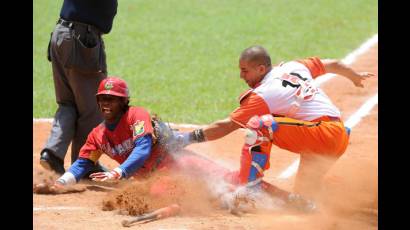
(78, 26)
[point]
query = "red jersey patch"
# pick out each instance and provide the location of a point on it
(138, 128)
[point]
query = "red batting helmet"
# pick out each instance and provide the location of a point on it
(113, 86)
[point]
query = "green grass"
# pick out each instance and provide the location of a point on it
(180, 57)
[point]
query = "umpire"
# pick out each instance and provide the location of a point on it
(76, 52)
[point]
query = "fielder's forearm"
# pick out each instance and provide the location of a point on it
(337, 67)
(219, 129)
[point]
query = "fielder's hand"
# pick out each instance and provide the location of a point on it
(114, 174)
(358, 81)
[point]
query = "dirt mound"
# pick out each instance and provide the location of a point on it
(159, 191)
(43, 183)
(44, 176)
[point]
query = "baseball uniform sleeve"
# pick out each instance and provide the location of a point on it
(90, 150)
(80, 167)
(139, 154)
(315, 66)
(140, 121)
(251, 105)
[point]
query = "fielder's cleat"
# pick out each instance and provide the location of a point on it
(298, 203)
(51, 162)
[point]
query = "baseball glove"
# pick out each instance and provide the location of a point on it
(164, 135)
(48, 188)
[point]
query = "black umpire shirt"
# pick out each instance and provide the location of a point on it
(99, 13)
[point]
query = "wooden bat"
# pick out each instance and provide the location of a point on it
(155, 215)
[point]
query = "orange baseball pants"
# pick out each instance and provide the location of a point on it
(324, 136)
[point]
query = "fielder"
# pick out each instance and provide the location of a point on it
(283, 107)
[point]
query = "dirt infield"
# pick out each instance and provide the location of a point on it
(349, 199)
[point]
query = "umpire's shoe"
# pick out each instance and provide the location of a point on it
(50, 162)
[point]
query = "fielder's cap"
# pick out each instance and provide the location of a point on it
(113, 86)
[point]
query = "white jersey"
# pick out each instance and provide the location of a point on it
(288, 90)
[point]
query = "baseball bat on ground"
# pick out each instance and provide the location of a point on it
(161, 213)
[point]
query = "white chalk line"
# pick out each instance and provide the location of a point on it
(43, 120)
(290, 170)
(363, 111)
(57, 208)
(356, 117)
(350, 58)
